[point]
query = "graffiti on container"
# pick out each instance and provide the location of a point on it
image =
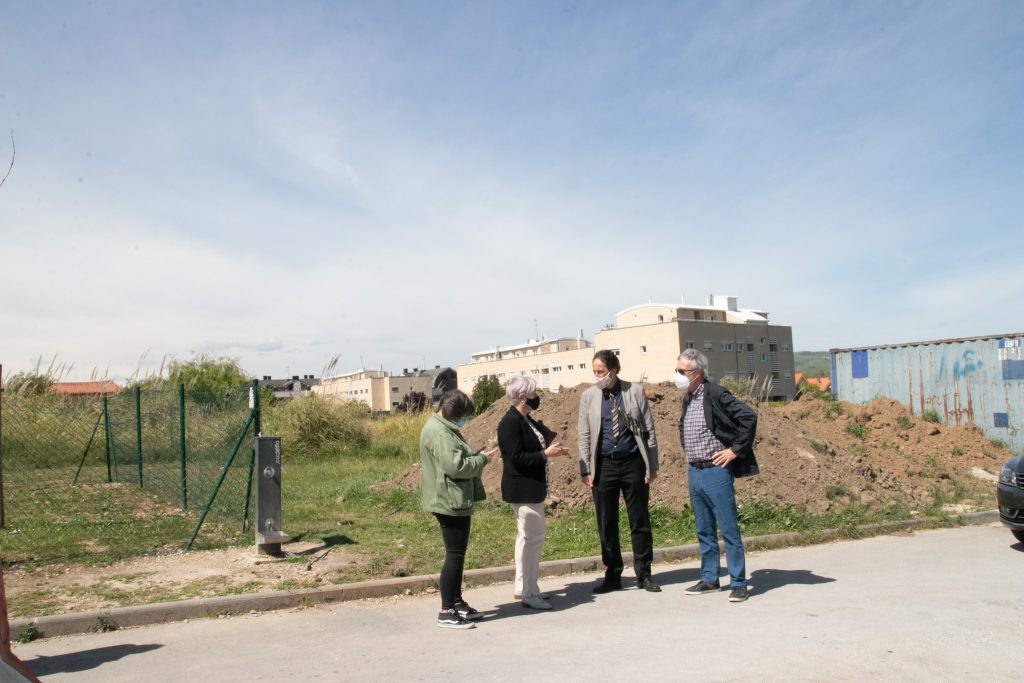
(962, 366)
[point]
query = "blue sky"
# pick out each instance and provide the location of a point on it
(402, 184)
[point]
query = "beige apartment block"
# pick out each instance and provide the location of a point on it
(378, 389)
(739, 343)
(554, 363)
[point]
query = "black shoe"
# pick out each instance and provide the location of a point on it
(738, 594)
(451, 619)
(648, 585)
(467, 612)
(700, 588)
(608, 585)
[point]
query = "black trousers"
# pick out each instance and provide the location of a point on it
(627, 477)
(455, 534)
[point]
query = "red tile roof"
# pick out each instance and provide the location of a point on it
(84, 388)
(822, 383)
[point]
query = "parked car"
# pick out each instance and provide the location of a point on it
(1010, 494)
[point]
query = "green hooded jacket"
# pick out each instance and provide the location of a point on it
(450, 475)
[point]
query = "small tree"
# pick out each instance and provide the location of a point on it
(414, 402)
(208, 375)
(487, 391)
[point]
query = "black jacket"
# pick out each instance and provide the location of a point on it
(522, 474)
(732, 421)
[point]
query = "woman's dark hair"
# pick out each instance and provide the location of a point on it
(455, 404)
(610, 360)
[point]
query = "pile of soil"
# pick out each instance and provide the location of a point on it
(807, 453)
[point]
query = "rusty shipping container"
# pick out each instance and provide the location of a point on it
(979, 380)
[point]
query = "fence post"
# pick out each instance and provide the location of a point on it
(181, 441)
(252, 459)
(88, 445)
(138, 429)
(108, 434)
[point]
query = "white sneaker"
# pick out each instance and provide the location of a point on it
(536, 602)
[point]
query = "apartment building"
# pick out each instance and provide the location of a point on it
(378, 389)
(739, 343)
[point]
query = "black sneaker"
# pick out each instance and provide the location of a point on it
(608, 585)
(738, 594)
(450, 618)
(467, 612)
(702, 587)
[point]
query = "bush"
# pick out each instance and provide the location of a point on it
(310, 425)
(903, 422)
(487, 391)
(931, 416)
(856, 429)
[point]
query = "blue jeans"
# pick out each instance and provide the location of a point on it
(714, 505)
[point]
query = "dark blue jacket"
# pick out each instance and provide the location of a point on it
(732, 421)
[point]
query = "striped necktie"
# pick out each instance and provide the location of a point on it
(616, 417)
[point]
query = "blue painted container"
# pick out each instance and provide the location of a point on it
(978, 380)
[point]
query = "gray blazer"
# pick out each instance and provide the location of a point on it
(589, 426)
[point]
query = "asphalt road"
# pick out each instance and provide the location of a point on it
(929, 606)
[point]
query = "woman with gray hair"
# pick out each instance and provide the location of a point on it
(526, 444)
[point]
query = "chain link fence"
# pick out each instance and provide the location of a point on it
(143, 469)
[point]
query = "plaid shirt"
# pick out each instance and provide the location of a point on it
(700, 442)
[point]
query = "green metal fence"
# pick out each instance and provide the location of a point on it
(163, 452)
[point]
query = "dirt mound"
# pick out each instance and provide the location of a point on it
(813, 453)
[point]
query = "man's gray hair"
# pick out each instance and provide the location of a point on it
(519, 385)
(699, 360)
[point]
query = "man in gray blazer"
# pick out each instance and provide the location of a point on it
(619, 454)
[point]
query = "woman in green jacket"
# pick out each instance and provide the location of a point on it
(449, 486)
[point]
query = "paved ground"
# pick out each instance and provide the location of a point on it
(934, 605)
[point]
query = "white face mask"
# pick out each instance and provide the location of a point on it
(604, 381)
(682, 381)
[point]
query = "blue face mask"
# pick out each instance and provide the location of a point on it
(460, 423)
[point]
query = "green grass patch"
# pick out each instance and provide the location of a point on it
(931, 416)
(856, 429)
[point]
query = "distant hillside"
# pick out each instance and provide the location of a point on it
(811, 363)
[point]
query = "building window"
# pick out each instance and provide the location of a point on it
(789, 375)
(643, 349)
(501, 375)
(690, 344)
(615, 351)
(762, 341)
(394, 390)
(785, 347)
(661, 318)
(556, 368)
(708, 345)
(764, 358)
(727, 346)
(569, 366)
(774, 348)
(394, 404)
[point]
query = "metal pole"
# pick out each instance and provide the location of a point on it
(87, 446)
(138, 429)
(255, 414)
(181, 441)
(107, 436)
(223, 474)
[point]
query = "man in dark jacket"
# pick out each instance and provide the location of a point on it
(716, 431)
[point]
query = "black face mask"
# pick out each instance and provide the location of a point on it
(534, 402)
